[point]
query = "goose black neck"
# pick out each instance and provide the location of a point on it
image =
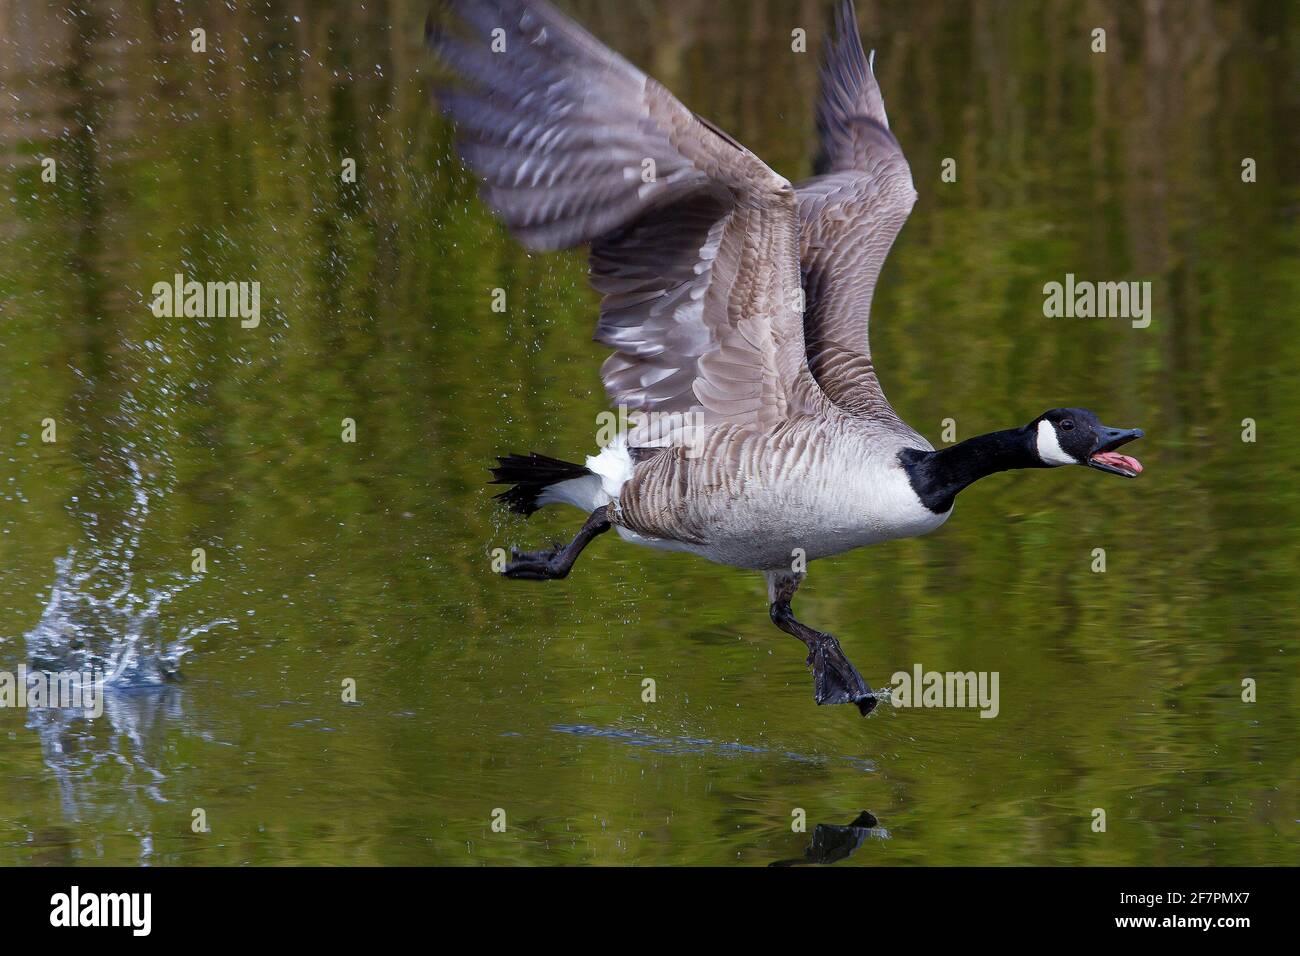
(937, 476)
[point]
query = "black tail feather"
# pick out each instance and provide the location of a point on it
(531, 474)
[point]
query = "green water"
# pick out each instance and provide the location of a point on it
(369, 560)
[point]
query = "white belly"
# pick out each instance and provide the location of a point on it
(773, 526)
(841, 501)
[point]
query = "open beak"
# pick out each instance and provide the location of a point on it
(1105, 458)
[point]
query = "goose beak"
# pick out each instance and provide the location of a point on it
(1105, 458)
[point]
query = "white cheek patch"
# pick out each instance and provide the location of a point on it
(1049, 448)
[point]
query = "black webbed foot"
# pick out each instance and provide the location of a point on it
(545, 554)
(555, 562)
(536, 565)
(835, 680)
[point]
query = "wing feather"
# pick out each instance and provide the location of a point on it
(694, 240)
(850, 216)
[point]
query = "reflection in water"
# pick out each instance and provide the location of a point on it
(832, 843)
(132, 735)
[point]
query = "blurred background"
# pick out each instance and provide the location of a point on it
(370, 560)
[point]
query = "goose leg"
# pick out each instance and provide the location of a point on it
(835, 680)
(554, 563)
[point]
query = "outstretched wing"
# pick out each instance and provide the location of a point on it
(694, 240)
(850, 215)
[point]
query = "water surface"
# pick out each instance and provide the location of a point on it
(370, 560)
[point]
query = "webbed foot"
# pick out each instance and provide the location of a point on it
(835, 680)
(554, 563)
(541, 565)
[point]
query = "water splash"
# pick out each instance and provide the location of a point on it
(101, 619)
(119, 638)
(118, 635)
(97, 619)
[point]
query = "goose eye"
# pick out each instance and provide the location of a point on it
(1067, 424)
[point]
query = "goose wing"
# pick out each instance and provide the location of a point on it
(694, 240)
(850, 214)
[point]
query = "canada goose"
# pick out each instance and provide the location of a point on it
(764, 439)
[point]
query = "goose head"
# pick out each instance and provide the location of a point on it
(1075, 436)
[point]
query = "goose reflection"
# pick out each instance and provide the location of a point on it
(832, 842)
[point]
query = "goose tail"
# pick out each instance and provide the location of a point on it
(537, 480)
(540, 480)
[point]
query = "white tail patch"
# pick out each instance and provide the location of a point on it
(612, 467)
